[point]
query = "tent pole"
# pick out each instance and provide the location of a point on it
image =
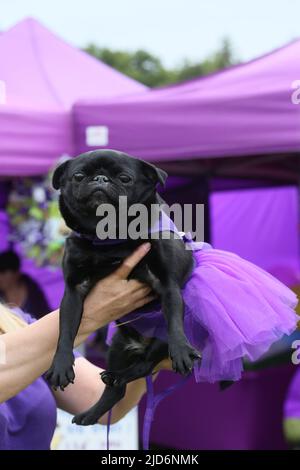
(5, 188)
(206, 201)
(298, 215)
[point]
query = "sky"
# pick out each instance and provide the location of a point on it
(173, 30)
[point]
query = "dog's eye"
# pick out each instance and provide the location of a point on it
(125, 178)
(78, 176)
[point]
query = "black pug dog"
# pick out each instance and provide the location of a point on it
(87, 181)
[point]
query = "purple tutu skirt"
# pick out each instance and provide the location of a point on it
(233, 310)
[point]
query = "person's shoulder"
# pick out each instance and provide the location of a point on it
(23, 315)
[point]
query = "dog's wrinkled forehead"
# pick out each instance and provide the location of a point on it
(106, 162)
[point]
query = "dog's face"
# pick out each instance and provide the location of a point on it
(102, 176)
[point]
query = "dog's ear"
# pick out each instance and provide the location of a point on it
(58, 173)
(156, 174)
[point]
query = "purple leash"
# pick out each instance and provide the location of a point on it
(152, 403)
(108, 428)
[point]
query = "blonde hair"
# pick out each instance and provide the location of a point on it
(9, 321)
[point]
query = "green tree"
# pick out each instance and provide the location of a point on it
(148, 69)
(140, 65)
(219, 60)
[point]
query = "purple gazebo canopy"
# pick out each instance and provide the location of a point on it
(43, 76)
(243, 111)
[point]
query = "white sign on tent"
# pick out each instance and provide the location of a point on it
(96, 136)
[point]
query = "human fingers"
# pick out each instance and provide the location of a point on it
(141, 292)
(144, 300)
(132, 260)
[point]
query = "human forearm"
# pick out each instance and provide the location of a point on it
(29, 352)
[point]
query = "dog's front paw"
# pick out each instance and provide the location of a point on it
(61, 373)
(183, 356)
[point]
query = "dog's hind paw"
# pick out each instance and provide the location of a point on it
(86, 418)
(109, 378)
(61, 373)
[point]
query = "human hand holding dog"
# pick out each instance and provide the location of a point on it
(115, 296)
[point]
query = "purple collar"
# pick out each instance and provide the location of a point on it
(97, 241)
(163, 223)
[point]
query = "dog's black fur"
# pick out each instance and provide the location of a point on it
(85, 182)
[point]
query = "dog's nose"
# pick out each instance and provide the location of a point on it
(101, 179)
